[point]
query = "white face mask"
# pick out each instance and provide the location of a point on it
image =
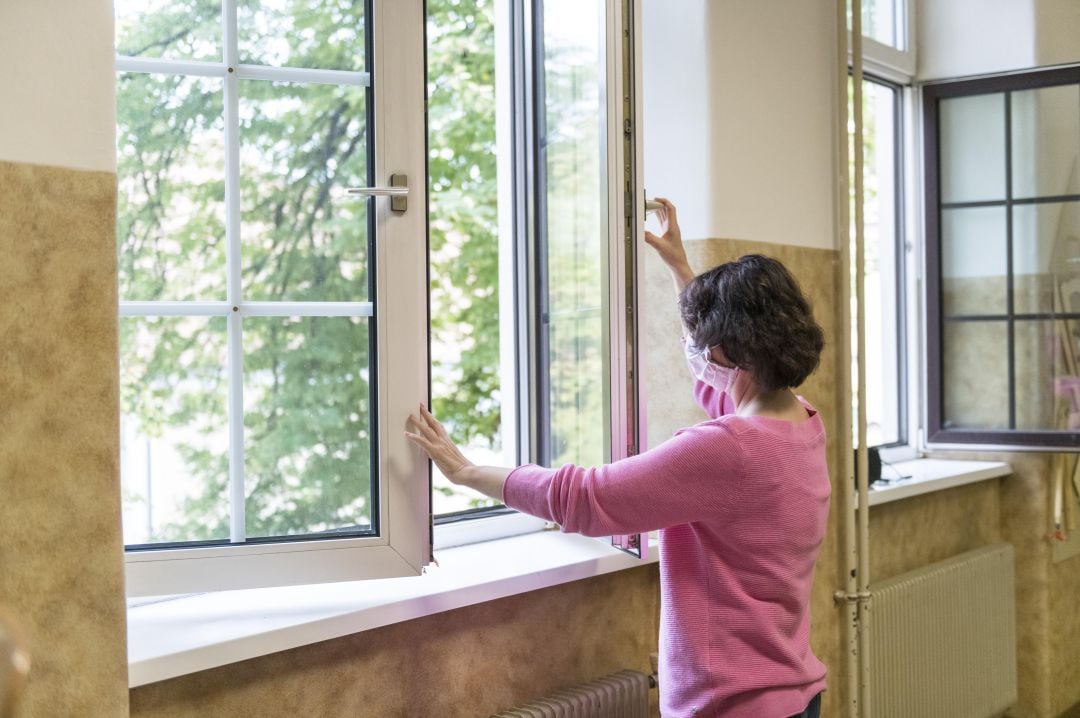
(707, 371)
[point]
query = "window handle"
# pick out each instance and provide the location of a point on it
(398, 192)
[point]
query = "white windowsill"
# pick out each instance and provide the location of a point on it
(195, 633)
(928, 475)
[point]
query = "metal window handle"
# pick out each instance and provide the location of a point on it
(398, 192)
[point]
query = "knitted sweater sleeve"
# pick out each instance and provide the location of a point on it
(693, 476)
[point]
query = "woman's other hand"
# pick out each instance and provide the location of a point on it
(669, 245)
(431, 436)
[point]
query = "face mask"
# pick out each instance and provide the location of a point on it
(707, 371)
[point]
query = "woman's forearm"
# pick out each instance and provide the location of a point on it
(488, 480)
(681, 274)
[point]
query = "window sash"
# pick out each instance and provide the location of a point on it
(938, 434)
(403, 545)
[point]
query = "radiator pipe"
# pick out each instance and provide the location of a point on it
(862, 468)
(854, 496)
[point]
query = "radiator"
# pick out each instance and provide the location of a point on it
(620, 695)
(943, 638)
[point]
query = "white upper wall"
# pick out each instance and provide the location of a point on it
(739, 117)
(57, 90)
(973, 37)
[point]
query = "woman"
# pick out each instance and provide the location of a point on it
(741, 500)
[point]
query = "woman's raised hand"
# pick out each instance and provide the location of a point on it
(669, 245)
(431, 436)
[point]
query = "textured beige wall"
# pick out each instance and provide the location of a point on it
(915, 532)
(475, 660)
(469, 662)
(909, 533)
(671, 405)
(61, 571)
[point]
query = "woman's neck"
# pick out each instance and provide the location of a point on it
(751, 400)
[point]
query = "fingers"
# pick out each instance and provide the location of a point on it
(651, 239)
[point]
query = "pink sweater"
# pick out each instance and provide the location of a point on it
(741, 504)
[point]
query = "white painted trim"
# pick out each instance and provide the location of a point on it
(177, 637)
(929, 475)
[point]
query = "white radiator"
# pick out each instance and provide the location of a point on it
(621, 695)
(943, 638)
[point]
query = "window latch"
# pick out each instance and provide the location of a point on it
(398, 192)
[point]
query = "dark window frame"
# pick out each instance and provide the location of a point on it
(932, 94)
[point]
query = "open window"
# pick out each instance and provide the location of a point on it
(277, 251)
(535, 212)
(273, 325)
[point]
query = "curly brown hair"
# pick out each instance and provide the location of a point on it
(753, 310)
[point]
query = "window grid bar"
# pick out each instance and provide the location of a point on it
(1010, 202)
(246, 309)
(270, 73)
(1009, 296)
(237, 514)
(1033, 316)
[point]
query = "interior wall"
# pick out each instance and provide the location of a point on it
(671, 406)
(58, 86)
(739, 117)
(975, 37)
(738, 133)
(61, 549)
(472, 661)
(61, 566)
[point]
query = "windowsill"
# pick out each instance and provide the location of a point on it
(929, 475)
(195, 633)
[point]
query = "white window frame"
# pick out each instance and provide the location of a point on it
(403, 547)
(884, 62)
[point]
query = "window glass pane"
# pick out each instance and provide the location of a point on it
(174, 429)
(573, 159)
(972, 142)
(974, 261)
(467, 392)
(1046, 253)
(322, 34)
(975, 377)
(300, 145)
(1046, 141)
(881, 289)
(1047, 387)
(172, 29)
(881, 21)
(307, 425)
(170, 221)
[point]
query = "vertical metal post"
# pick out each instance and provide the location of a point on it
(862, 532)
